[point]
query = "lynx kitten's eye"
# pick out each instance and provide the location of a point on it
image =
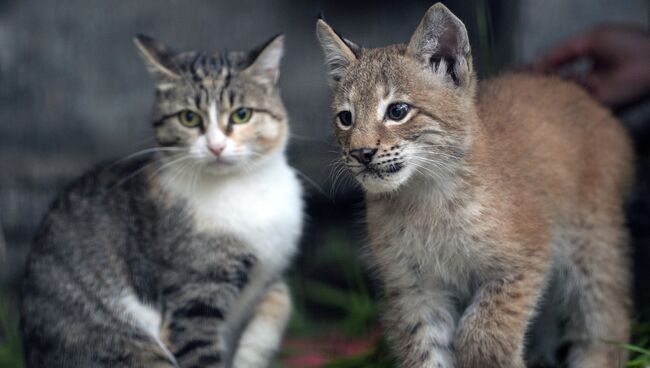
(398, 111)
(190, 118)
(241, 115)
(345, 118)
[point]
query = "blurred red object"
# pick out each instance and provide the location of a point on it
(313, 352)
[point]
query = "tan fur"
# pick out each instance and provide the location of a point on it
(263, 336)
(276, 305)
(508, 202)
(265, 133)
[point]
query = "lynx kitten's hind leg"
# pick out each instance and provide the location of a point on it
(262, 337)
(596, 295)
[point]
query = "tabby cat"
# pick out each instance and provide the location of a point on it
(175, 259)
(486, 203)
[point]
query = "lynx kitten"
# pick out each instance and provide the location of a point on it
(488, 204)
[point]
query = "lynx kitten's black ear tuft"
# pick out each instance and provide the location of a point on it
(266, 60)
(339, 52)
(157, 56)
(441, 41)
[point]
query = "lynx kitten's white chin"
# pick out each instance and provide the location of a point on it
(386, 182)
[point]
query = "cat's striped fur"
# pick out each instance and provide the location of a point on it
(175, 259)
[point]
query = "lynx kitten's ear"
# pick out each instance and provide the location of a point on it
(339, 52)
(266, 60)
(157, 57)
(441, 41)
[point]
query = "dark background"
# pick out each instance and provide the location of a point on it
(73, 91)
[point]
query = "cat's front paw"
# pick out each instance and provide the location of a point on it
(263, 336)
(235, 270)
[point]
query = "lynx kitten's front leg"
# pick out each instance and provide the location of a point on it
(419, 320)
(491, 332)
(420, 326)
(263, 335)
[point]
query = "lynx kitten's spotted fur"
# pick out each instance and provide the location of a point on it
(488, 204)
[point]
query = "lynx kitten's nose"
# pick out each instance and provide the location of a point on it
(363, 155)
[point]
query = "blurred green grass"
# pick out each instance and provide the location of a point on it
(11, 352)
(640, 348)
(352, 301)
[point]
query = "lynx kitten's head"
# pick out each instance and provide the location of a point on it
(403, 110)
(220, 112)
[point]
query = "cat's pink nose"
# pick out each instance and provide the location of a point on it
(216, 147)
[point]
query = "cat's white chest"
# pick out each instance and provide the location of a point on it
(262, 209)
(265, 213)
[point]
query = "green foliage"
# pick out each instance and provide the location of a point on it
(11, 352)
(485, 38)
(640, 349)
(353, 302)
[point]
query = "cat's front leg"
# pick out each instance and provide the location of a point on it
(194, 327)
(491, 332)
(262, 337)
(195, 310)
(420, 326)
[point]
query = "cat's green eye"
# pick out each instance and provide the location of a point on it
(190, 119)
(241, 115)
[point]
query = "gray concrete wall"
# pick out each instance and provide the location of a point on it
(541, 24)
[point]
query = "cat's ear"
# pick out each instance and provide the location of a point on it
(266, 60)
(441, 42)
(339, 52)
(157, 57)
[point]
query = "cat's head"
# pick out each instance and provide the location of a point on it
(402, 110)
(219, 111)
